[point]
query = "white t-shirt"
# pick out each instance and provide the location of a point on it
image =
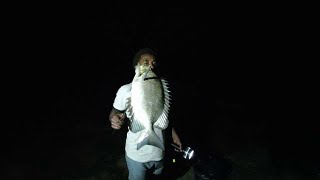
(147, 152)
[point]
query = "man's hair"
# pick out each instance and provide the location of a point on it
(141, 52)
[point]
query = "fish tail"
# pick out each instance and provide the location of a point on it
(153, 140)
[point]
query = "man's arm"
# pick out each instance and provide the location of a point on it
(176, 139)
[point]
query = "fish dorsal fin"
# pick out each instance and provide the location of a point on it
(134, 126)
(163, 120)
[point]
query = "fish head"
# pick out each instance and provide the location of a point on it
(145, 70)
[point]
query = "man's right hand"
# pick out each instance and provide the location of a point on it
(117, 120)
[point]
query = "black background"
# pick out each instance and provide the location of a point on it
(66, 62)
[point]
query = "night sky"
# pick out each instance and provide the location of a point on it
(222, 63)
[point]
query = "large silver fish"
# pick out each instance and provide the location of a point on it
(148, 107)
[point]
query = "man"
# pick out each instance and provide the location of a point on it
(141, 158)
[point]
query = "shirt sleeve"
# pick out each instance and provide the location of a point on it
(121, 97)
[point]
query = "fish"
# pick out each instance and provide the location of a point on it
(148, 107)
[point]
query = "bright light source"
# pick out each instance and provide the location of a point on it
(188, 153)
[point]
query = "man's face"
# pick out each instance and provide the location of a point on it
(146, 60)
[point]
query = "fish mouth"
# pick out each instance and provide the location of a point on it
(143, 69)
(147, 73)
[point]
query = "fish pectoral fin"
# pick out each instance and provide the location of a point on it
(136, 126)
(161, 123)
(163, 120)
(150, 139)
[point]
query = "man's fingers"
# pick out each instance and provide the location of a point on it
(115, 126)
(121, 117)
(116, 121)
(178, 147)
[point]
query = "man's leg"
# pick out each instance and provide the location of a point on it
(137, 170)
(156, 168)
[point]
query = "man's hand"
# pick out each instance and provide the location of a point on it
(117, 120)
